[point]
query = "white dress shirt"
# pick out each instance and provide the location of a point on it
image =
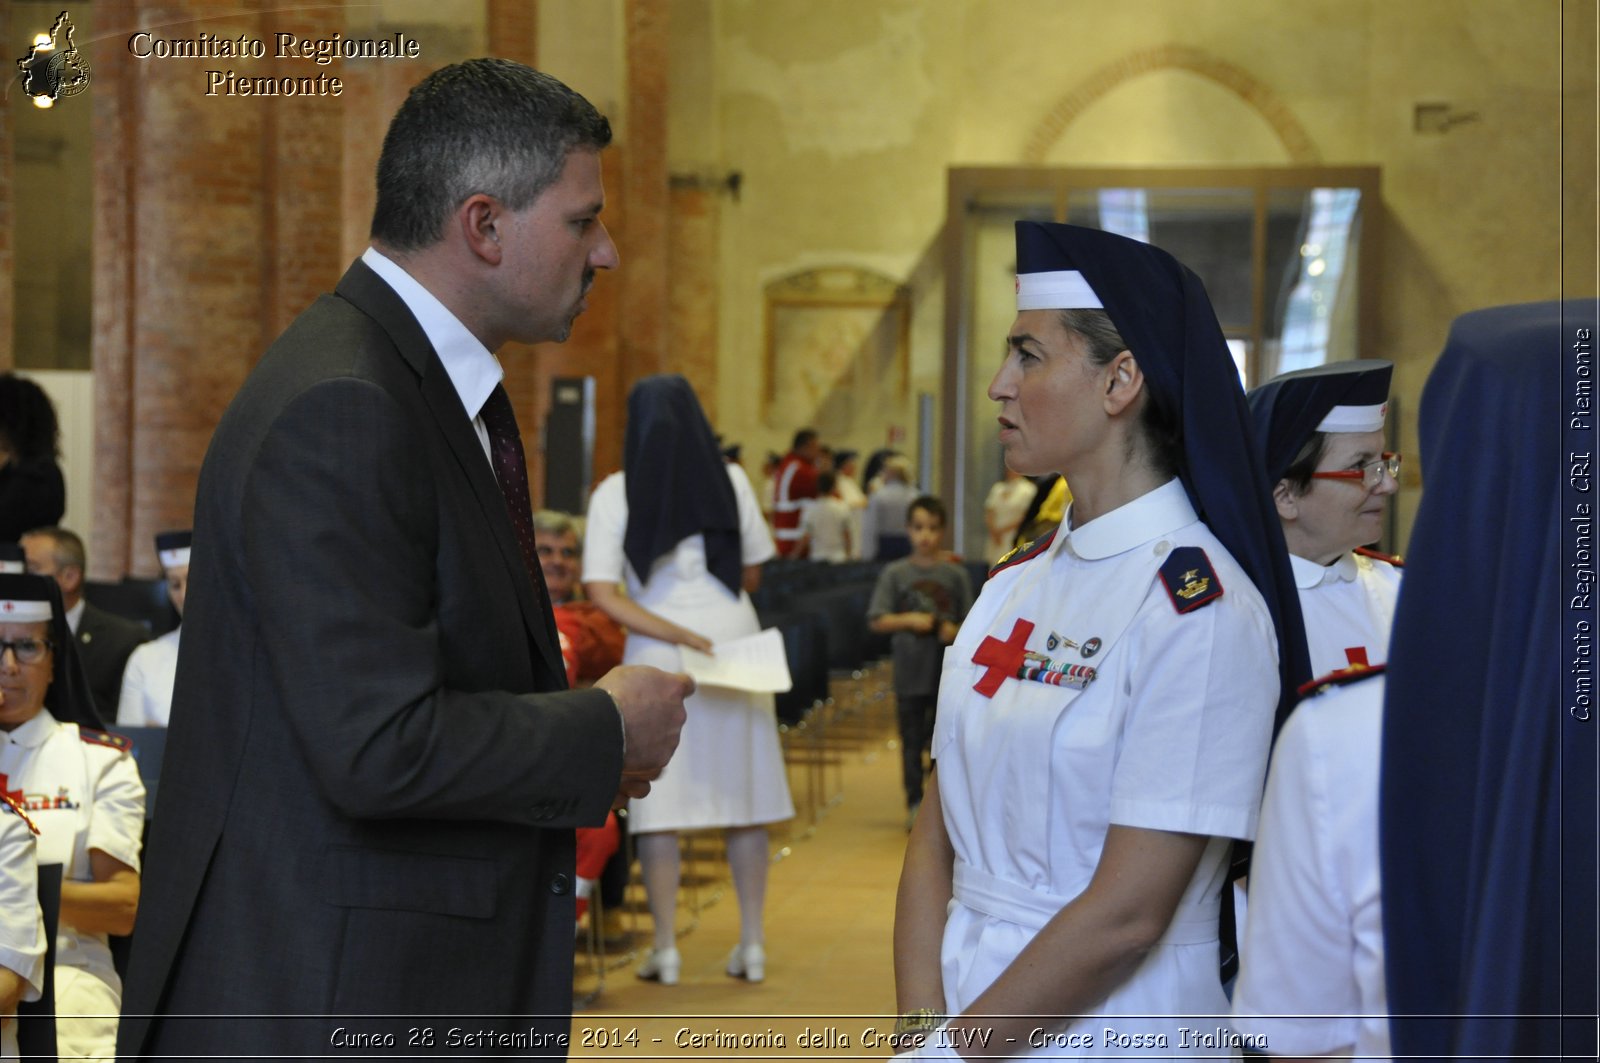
(473, 371)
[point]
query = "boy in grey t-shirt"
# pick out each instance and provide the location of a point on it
(919, 602)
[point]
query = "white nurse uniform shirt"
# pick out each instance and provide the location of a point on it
(1171, 734)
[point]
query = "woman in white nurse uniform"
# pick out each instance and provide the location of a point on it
(1105, 714)
(82, 789)
(680, 529)
(147, 679)
(22, 943)
(1319, 433)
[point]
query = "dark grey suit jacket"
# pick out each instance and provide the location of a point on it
(105, 642)
(369, 792)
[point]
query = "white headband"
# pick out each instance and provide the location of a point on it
(15, 612)
(1062, 289)
(174, 558)
(1354, 418)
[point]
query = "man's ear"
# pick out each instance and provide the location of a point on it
(1286, 501)
(1124, 382)
(70, 578)
(479, 218)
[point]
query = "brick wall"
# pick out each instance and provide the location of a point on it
(217, 220)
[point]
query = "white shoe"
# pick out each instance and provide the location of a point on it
(748, 962)
(662, 966)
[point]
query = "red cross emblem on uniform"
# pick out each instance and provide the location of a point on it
(1001, 658)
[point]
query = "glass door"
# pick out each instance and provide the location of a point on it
(1281, 252)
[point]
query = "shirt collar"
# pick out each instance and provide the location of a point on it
(1308, 574)
(473, 371)
(1152, 514)
(75, 615)
(35, 732)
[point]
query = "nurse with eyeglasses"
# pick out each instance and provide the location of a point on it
(1319, 433)
(80, 787)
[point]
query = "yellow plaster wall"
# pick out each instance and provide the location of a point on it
(840, 116)
(843, 116)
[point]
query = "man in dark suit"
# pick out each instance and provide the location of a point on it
(373, 772)
(105, 640)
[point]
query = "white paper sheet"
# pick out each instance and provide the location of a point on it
(756, 662)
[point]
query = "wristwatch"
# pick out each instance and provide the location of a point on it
(918, 1020)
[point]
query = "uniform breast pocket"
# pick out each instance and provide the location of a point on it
(1084, 722)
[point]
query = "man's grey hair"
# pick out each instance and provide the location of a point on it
(487, 125)
(66, 547)
(555, 522)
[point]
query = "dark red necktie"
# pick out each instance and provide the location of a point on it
(511, 470)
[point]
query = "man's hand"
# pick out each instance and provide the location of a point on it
(651, 702)
(631, 788)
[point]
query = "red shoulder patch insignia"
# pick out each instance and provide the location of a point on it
(1339, 677)
(1026, 552)
(1189, 578)
(10, 804)
(1394, 559)
(105, 738)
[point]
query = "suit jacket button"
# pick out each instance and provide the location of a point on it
(560, 885)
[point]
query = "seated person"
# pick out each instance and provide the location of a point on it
(104, 640)
(591, 645)
(81, 788)
(22, 944)
(147, 681)
(591, 642)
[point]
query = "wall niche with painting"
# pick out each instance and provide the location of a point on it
(837, 354)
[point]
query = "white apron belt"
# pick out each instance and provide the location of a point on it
(1015, 903)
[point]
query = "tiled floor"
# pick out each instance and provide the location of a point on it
(830, 915)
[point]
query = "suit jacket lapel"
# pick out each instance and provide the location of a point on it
(368, 292)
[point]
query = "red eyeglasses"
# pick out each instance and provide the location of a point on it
(1371, 474)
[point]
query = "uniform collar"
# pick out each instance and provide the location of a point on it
(1152, 514)
(75, 615)
(1308, 574)
(35, 732)
(473, 370)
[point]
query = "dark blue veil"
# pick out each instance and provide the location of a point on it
(677, 481)
(1161, 309)
(1487, 808)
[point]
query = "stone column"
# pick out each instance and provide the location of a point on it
(644, 189)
